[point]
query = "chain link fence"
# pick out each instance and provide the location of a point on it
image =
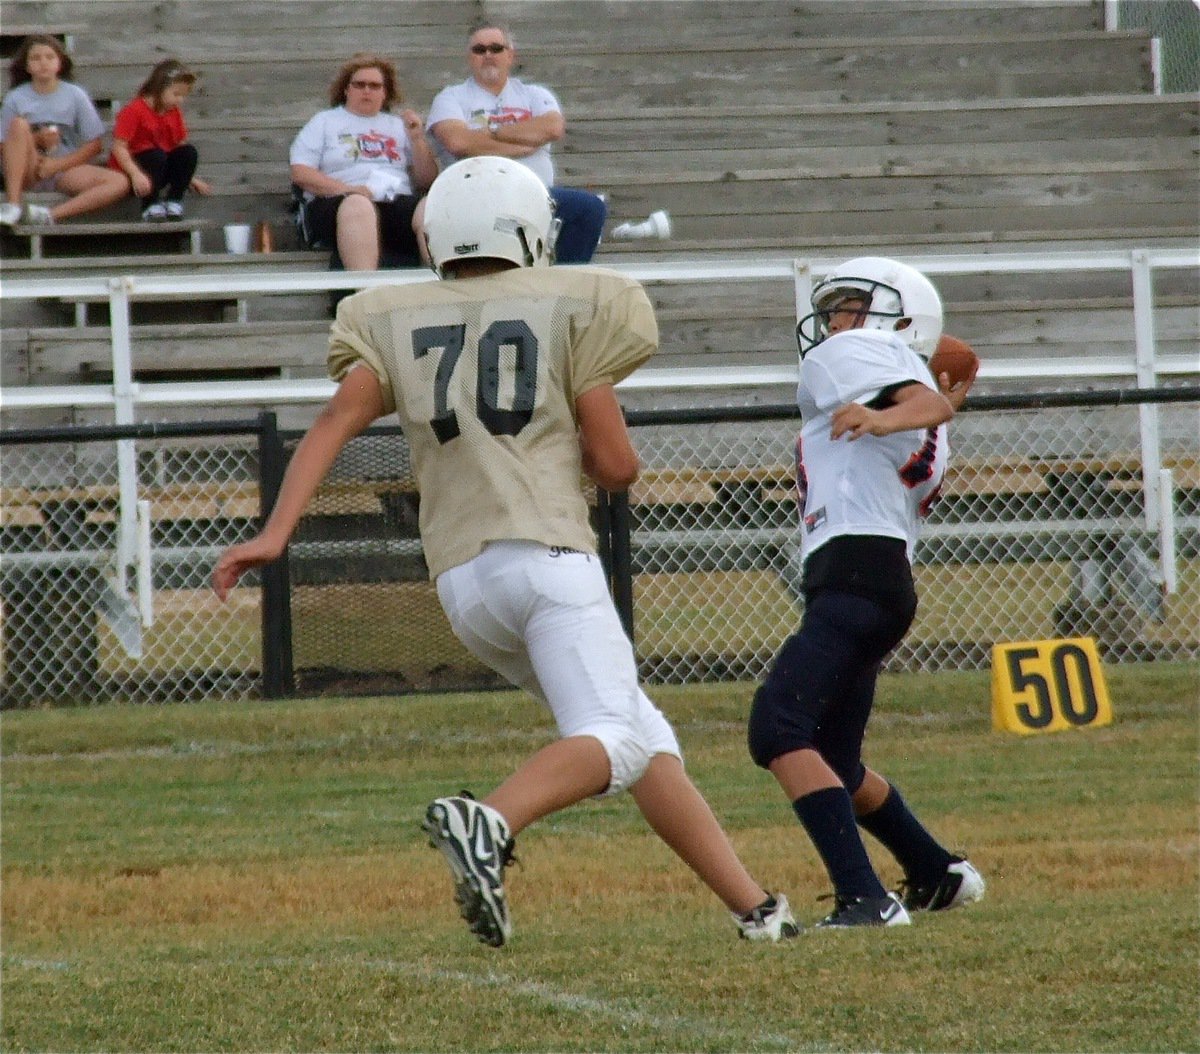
(1176, 24)
(102, 599)
(365, 617)
(1041, 532)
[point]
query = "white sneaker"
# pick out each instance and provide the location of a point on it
(10, 214)
(476, 843)
(770, 921)
(155, 212)
(36, 215)
(656, 225)
(174, 210)
(960, 885)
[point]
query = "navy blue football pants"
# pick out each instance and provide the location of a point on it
(819, 692)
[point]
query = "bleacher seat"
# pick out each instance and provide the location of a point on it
(765, 128)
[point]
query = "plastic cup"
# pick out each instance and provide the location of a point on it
(237, 238)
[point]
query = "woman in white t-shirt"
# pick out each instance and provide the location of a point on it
(362, 169)
(49, 134)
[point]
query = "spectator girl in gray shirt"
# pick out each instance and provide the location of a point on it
(49, 134)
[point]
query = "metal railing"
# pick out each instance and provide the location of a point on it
(125, 396)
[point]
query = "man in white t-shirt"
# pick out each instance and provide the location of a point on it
(494, 114)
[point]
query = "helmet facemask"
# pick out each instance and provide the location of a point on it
(883, 304)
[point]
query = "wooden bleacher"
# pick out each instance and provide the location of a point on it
(12, 33)
(43, 241)
(774, 75)
(27, 509)
(765, 128)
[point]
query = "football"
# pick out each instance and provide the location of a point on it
(955, 358)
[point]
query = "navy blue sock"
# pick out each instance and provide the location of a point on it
(923, 858)
(828, 817)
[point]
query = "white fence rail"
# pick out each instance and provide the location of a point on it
(124, 393)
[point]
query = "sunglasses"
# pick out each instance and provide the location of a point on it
(488, 49)
(368, 85)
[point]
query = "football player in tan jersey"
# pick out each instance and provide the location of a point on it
(503, 380)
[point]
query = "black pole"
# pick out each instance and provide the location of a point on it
(622, 559)
(604, 533)
(277, 677)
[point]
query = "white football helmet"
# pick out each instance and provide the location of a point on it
(897, 298)
(489, 207)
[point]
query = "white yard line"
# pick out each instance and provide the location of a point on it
(621, 1011)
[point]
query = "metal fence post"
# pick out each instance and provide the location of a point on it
(277, 676)
(802, 279)
(622, 560)
(124, 395)
(1147, 377)
(604, 532)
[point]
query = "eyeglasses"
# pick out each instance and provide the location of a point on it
(488, 49)
(368, 85)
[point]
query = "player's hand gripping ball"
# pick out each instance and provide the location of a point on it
(954, 358)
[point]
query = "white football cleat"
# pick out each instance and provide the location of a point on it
(475, 841)
(770, 921)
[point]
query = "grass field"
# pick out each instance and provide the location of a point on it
(250, 877)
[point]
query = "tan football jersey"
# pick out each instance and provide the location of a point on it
(483, 374)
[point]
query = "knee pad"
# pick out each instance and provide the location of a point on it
(780, 722)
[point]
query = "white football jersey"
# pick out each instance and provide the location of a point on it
(483, 374)
(875, 485)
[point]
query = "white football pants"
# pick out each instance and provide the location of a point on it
(542, 617)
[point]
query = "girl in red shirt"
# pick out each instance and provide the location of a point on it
(150, 143)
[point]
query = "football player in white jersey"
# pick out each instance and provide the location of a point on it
(503, 380)
(870, 459)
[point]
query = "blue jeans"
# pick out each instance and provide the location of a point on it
(582, 214)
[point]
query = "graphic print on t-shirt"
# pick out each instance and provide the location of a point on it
(370, 146)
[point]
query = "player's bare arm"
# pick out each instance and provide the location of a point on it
(609, 458)
(913, 406)
(357, 402)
